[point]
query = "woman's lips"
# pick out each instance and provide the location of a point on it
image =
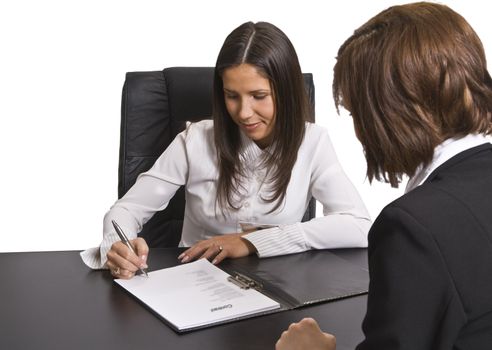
(251, 126)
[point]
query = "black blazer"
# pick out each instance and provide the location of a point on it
(430, 262)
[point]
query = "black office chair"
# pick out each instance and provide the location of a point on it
(155, 108)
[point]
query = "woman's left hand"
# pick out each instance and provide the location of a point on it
(218, 248)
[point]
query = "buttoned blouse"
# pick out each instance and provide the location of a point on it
(191, 160)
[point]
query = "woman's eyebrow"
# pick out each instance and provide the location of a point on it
(252, 91)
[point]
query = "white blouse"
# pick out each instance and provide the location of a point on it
(191, 160)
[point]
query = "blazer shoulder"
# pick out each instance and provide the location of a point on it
(460, 233)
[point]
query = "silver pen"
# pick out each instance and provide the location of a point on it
(125, 240)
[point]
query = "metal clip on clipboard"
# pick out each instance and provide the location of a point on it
(244, 282)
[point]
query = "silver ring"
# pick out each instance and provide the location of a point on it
(220, 248)
(116, 271)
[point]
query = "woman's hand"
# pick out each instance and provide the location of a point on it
(123, 263)
(305, 334)
(218, 248)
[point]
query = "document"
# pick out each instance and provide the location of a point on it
(196, 294)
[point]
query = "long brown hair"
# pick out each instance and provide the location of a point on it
(270, 51)
(412, 76)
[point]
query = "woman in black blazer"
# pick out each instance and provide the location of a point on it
(415, 80)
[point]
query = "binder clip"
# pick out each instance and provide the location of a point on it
(244, 282)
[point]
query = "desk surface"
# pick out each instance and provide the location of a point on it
(51, 300)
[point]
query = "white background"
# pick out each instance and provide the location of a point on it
(62, 67)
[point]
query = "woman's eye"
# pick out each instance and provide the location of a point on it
(259, 97)
(230, 97)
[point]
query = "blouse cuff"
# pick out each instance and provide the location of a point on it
(96, 258)
(285, 239)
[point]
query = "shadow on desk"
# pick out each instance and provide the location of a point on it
(51, 300)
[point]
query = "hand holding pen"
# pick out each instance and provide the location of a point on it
(127, 258)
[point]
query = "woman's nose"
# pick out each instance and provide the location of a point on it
(245, 110)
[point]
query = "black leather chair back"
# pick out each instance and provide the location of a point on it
(155, 108)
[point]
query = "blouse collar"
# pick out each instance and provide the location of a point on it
(442, 153)
(250, 151)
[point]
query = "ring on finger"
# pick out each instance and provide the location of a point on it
(116, 271)
(220, 248)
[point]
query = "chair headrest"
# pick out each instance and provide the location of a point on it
(190, 92)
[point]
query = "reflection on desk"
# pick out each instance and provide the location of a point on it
(51, 300)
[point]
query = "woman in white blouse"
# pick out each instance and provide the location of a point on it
(258, 162)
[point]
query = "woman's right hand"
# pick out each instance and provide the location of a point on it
(305, 334)
(123, 263)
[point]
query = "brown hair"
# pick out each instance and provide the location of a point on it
(270, 51)
(412, 76)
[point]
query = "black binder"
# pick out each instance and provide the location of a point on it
(302, 279)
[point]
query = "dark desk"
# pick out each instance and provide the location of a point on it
(51, 300)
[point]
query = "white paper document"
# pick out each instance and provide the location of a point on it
(196, 294)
